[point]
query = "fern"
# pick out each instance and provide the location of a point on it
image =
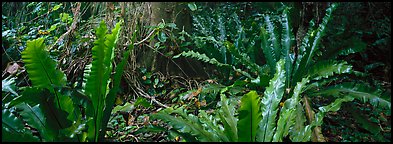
(249, 117)
(272, 97)
(227, 116)
(287, 113)
(324, 69)
(287, 39)
(97, 77)
(300, 132)
(306, 60)
(13, 127)
(38, 63)
(204, 58)
(201, 57)
(359, 91)
(57, 109)
(186, 124)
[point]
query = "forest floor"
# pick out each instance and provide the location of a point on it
(344, 125)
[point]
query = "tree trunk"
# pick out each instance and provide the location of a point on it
(177, 13)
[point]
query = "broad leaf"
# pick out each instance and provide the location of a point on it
(270, 101)
(13, 129)
(286, 43)
(249, 117)
(227, 116)
(299, 132)
(359, 91)
(40, 67)
(287, 114)
(324, 69)
(185, 123)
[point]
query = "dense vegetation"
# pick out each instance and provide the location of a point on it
(88, 72)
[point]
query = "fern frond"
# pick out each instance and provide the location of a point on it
(185, 123)
(287, 39)
(306, 42)
(299, 132)
(97, 80)
(34, 116)
(227, 115)
(273, 39)
(319, 34)
(324, 69)
(244, 60)
(249, 117)
(306, 59)
(201, 57)
(287, 116)
(359, 91)
(267, 50)
(210, 123)
(270, 101)
(13, 129)
(96, 85)
(40, 67)
(349, 46)
(333, 107)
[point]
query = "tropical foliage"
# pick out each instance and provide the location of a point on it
(200, 72)
(52, 108)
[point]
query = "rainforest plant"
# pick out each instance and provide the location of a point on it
(255, 118)
(54, 110)
(304, 74)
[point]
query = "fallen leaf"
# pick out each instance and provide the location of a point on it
(12, 69)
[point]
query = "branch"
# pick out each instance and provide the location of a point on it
(152, 98)
(151, 33)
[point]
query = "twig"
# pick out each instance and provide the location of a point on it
(151, 33)
(152, 98)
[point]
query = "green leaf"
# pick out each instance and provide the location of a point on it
(227, 116)
(185, 123)
(143, 102)
(97, 79)
(357, 45)
(40, 67)
(110, 99)
(96, 84)
(287, 39)
(35, 117)
(192, 6)
(333, 107)
(270, 101)
(171, 25)
(249, 117)
(362, 119)
(201, 57)
(128, 107)
(324, 69)
(312, 48)
(287, 114)
(210, 123)
(162, 37)
(13, 129)
(267, 50)
(299, 132)
(56, 7)
(359, 91)
(273, 40)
